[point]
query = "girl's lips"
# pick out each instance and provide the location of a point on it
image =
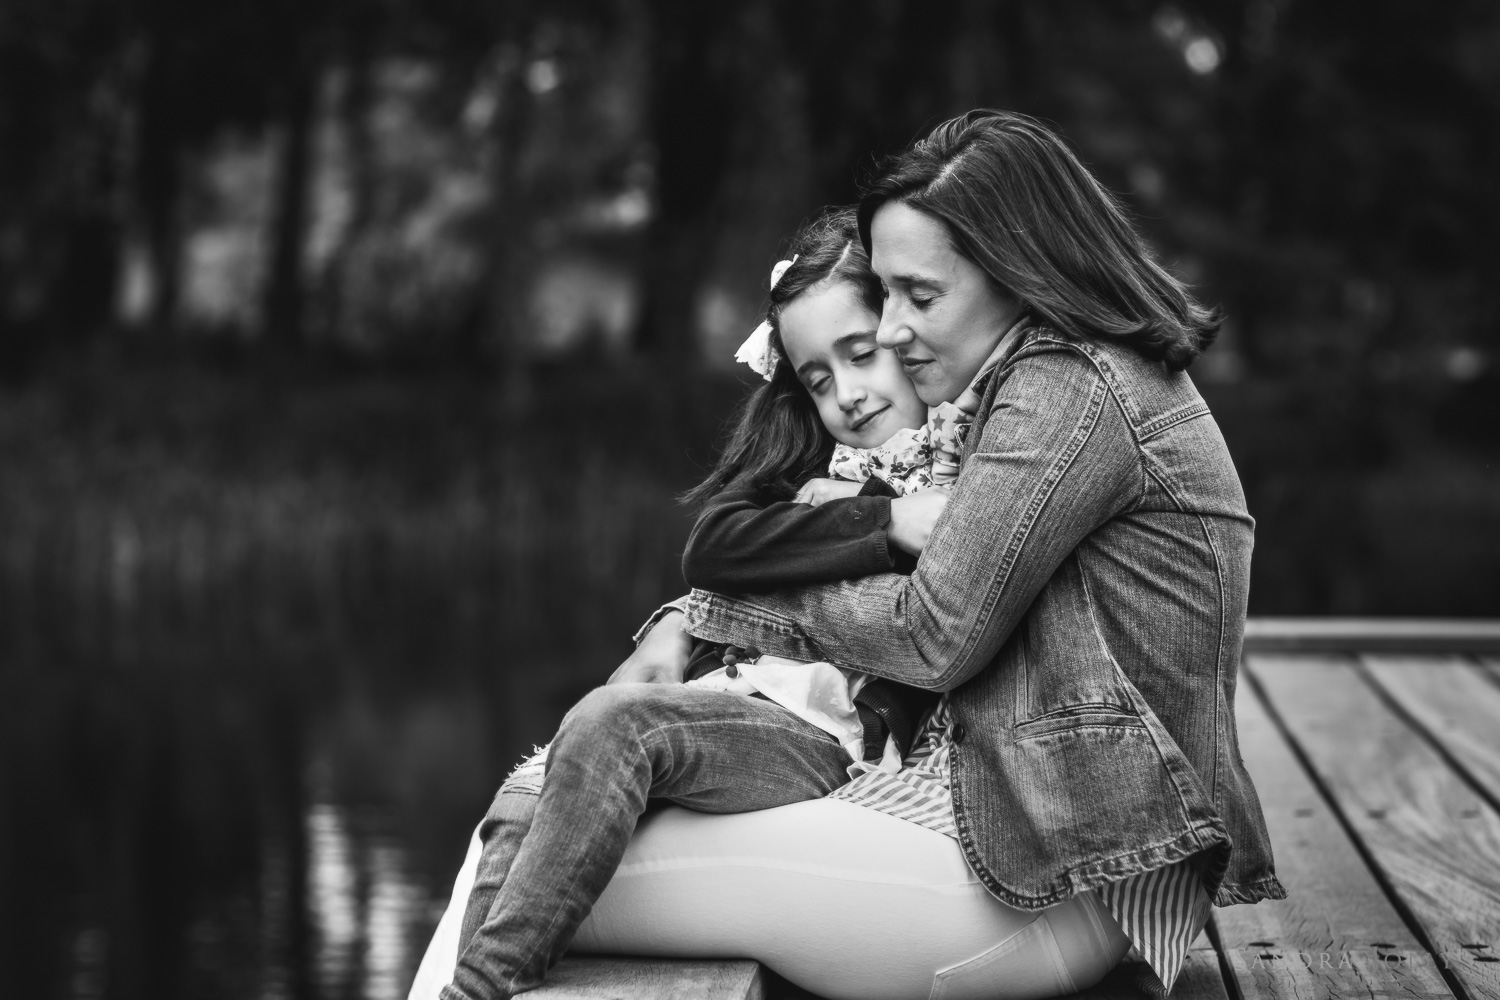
(860, 424)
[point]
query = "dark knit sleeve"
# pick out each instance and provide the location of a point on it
(742, 544)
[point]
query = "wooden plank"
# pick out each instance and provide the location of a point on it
(1336, 934)
(1372, 635)
(1199, 979)
(594, 978)
(1435, 841)
(1455, 702)
(1491, 666)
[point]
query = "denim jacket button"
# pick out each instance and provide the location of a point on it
(958, 732)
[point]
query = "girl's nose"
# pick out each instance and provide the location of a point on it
(892, 332)
(849, 394)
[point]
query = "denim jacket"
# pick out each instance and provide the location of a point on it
(1083, 599)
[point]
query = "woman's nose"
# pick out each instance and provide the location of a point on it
(892, 332)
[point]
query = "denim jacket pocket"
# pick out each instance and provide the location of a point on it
(1076, 718)
(1063, 666)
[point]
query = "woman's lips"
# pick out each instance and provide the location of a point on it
(913, 364)
(864, 421)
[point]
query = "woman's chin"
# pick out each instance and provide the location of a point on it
(932, 394)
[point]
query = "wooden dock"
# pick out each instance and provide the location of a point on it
(1375, 746)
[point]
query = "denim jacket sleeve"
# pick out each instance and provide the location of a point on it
(676, 604)
(1055, 460)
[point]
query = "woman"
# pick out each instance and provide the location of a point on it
(1081, 600)
(1083, 596)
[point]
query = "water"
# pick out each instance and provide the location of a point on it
(251, 707)
(189, 811)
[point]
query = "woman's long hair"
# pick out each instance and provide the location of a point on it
(776, 440)
(1019, 205)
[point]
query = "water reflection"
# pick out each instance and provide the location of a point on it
(389, 921)
(335, 897)
(88, 964)
(370, 916)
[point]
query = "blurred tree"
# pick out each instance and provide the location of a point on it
(208, 69)
(62, 66)
(694, 104)
(510, 223)
(295, 64)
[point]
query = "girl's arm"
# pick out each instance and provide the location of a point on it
(1055, 461)
(661, 653)
(743, 545)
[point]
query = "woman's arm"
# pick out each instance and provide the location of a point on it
(1055, 461)
(742, 545)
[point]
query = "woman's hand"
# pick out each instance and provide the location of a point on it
(913, 516)
(819, 491)
(662, 656)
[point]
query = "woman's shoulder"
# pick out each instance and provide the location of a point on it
(1147, 392)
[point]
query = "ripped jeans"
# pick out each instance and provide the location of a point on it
(549, 854)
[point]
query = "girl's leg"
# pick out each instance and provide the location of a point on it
(621, 745)
(502, 831)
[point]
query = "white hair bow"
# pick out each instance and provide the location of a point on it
(757, 351)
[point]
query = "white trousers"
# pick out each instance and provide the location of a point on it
(844, 901)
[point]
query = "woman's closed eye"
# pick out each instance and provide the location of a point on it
(920, 297)
(920, 292)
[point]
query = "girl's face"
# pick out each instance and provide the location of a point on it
(862, 395)
(942, 315)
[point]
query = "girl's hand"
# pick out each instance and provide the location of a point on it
(662, 656)
(819, 491)
(913, 516)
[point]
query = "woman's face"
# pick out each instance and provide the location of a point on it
(861, 392)
(943, 315)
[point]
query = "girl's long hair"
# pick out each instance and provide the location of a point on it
(1019, 205)
(776, 441)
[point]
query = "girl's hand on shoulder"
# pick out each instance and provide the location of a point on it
(819, 491)
(662, 656)
(913, 516)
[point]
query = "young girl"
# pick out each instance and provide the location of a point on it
(804, 484)
(834, 404)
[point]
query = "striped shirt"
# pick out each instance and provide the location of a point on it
(1160, 911)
